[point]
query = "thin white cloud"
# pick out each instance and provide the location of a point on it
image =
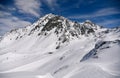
(108, 22)
(52, 4)
(13, 22)
(7, 8)
(1, 6)
(29, 6)
(3, 14)
(82, 2)
(8, 22)
(102, 12)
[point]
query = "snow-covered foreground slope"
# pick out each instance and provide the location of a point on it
(55, 47)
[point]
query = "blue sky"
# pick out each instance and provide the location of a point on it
(20, 13)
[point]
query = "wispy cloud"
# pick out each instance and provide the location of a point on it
(108, 22)
(82, 2)
(8, 8)
(3, 14)
(29, 6)
(52, 4)
(8, 22)
(101, 12)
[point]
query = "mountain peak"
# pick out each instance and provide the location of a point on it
(60, 24)
(63, 28)
(88, 21)
(49, 15)
(58, 46)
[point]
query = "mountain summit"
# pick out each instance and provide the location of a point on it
(63, 28)
(60, 48)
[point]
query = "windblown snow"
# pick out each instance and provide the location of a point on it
(55, 47)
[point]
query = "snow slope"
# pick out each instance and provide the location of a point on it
(55, 47)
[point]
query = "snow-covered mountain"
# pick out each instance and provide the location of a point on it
(55, 47)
